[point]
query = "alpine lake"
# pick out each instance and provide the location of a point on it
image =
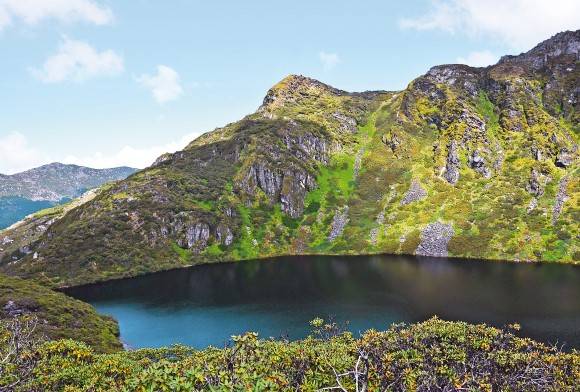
(207, 304)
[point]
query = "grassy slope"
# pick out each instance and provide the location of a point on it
(30, 229)
(59, 315)
(124, 230)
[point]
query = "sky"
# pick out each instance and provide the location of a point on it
(106, 83)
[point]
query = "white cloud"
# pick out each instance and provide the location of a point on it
(519, 24)
(479, 59)
(4, 18)
(130, 156)
(329, 60)
(78, 61)
(17, 155)
(31, 12)
(165, 85)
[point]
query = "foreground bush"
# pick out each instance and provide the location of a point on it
(431, 356)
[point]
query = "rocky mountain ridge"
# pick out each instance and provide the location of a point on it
(57, 181)
(465, 162)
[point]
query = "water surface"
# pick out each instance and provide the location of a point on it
(205, 305)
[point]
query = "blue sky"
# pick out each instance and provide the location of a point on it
(105, 83)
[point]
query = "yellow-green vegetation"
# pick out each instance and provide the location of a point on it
(25, 232)
(433, 355)
(465, 162)
(59, 316)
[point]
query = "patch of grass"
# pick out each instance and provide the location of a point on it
(183, 254)
(486, 110)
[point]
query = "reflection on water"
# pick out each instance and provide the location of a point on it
(205, 305)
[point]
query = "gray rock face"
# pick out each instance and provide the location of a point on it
(289, 187)
(307, 146)
(188, 231)
(262, 176)
(475, 125)
(561, 198)
(452, 164)
(532, 206)
(295, 185)
(197, 235)
(477, 163)
(347, 124)
(452, 73)
(224, 235)
(536, 153)
(162, 158)
(11, 309)
(561, 44)
(338, 223)
(358, 163)
(534, 185)
(564, 159)
(375, 230)
(434, 240)
(392, 141)
(415, 193)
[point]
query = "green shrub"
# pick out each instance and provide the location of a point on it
(432, 355)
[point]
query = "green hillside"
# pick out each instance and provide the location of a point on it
(58, 316)
(465, 162)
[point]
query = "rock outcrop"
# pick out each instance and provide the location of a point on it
(561, 198)
(452, 165)
(434, 240)
(415, 193)
(338, 223)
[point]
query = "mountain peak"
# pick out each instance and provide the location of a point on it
(562, 45)
(293, 88)
(565, 42)
(55, 181)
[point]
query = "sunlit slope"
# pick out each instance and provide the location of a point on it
(467, 162)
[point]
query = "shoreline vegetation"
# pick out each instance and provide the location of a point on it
(431, 355)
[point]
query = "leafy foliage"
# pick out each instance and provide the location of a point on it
(433, 355)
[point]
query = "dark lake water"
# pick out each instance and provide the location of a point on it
(205, 305)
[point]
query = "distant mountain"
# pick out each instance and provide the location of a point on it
(57, 181)
(14, 208)
(45, 186)
(464, 162)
